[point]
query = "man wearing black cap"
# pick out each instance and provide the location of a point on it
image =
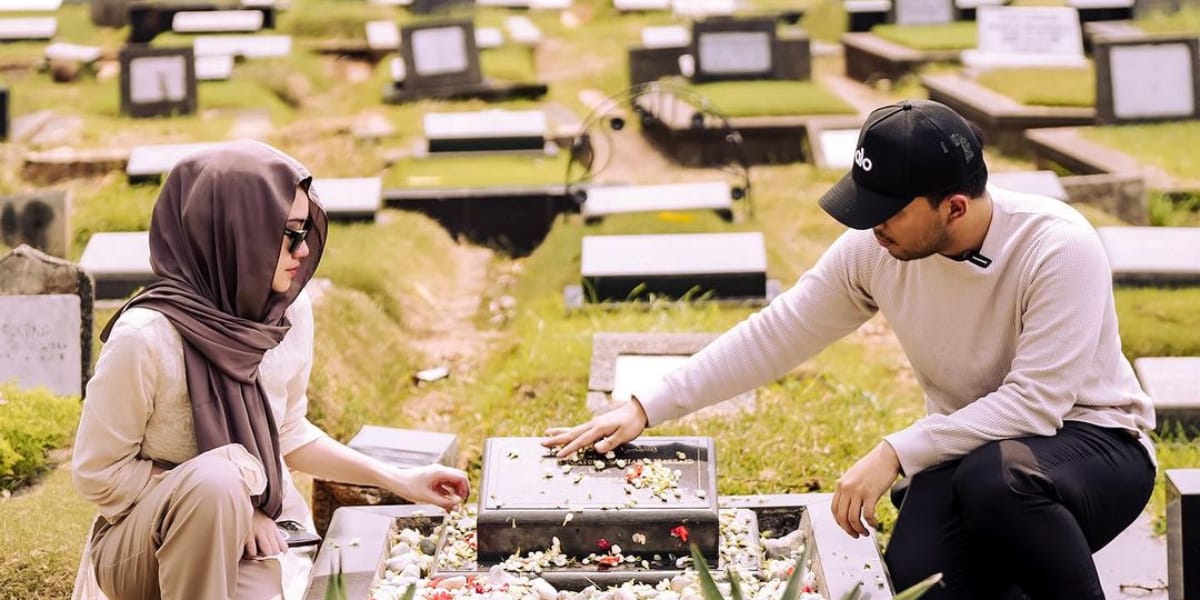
(1034, 452)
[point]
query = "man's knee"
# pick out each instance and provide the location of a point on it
(998, 477)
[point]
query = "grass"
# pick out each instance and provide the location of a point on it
(1158, 322)
(1174, 210)
(508, 63)
(476, 171)
(1164, 145)
(958, 35)
(113, 206)
(771, 98)
(1186, 20)
(1044, 87)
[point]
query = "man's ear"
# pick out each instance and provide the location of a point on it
(956, 206)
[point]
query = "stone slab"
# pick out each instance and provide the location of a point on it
(521, 30)
(218, 67)
(699, 9)
(1044, 183)
(673, 254)
(607, 200)
(922, 12)
(27, 28)
(486, 130)
(73, 52)
(666, 36)
(836, 148)
(383, 35)
(1134, 564)
(40, 219)
(119, 263)
(488, 37)
(524, 483)
(29, 5)
(1173, 383)
(1027, 36)
(150, 162)
(46, 318)
(641, 5)
(1153, 255)
(1183, 533)
(217, 21)
(350, 199)
(1147, 79)
(245, 46)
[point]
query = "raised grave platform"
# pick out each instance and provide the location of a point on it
(150, 163)
(354, 199)
(1183, 533)
(1043, 183)
(1158, 256)
(493, 130)
(14, 29)
(716, 266)
(869, 57)
(118, 262)
(1174, 385)
(604, 200)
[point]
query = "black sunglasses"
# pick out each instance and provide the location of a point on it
(296, 236)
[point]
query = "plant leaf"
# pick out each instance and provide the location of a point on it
(735, 587)
(796, 581)
(919, 589)
(335, 589)
(409, 592)
(708, 586)
(855, 593)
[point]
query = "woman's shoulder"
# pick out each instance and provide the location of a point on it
(301, 310)
(144, 324)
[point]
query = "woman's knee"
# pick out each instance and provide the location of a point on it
(212, 478)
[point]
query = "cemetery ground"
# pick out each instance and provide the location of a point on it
(404, 296)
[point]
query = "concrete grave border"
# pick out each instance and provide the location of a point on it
(870, 57)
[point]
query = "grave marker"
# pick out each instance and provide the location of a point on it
(486, 131)
(608, 200)
(73, 52)
(488, 37)
(217, 21)
(438, 55)
(245, 46)
(1173, 383)
(666, 36)
(524, 484)
(1044, 183)
(383, 35)
(5, 118)
(836, 147)
(350, 199)
(1027, 36)
(522, 30)
(628, 267)
(1147, 79)
(1153, 255)
(731, 50)
(39, 219)
(30, 5)
(864, 15)
(922, 12)
(217, 67)
(1183, 533)
(119, 263)
(46, 320)
(28, 28)
(148, 163)
(157, 82)
(699, 9)
(641, 5)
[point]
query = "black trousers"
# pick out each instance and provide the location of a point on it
(1020, 515)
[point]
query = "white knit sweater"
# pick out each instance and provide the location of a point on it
(1006, 351)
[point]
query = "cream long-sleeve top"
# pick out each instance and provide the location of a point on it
(1010, 350)
(138, 412)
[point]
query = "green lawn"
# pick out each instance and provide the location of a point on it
(1044, 87)
(771, 98)
(1184, 21)
(473, 171)
(958, 35)
(1164, 145)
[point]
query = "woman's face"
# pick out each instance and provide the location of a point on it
(293, 249)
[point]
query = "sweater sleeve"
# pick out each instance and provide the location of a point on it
(106, 469)
(828, 302)
(296, 430)
(1063, 309)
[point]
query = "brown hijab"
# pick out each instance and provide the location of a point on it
(215, 237)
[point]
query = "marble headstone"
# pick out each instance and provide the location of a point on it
(1153, 255)
(1027, 36)
(119, 263)
(40, 219)
(1147, 79)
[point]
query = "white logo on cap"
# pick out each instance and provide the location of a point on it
(861, 160)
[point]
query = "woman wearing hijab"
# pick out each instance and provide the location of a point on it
(196, 411)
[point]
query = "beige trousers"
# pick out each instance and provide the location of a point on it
(184, 539)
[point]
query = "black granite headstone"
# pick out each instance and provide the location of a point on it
(734, 49)
(1183, 534)
(157, 82)
(426, 7)
(1145, 79)
(440, 55)
(5, 119)
(527, 497)
(632, 267)
(148, 18)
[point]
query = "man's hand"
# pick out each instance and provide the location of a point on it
(859, 489)
(433, 484)
(265, 538)
(617, 426)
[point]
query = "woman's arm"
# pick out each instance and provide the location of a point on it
(326, 458)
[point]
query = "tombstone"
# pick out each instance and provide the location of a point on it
(494, 130)
(666, 36)
(218, 67)
(1103, 10)
(1173, 383)
(5, 119)
(395, 447)
(217, 21)
(641, 5)
(440, 55)
(1027, 36)
(30, 5)
(742, 49)
(1153, 255)
(967, 9)
(350, 199)
(604, 200)
(835, 148)
(148, 163)
(522, 31)
(110, 13)
(425, 7)
(383, 35)
(1183, 533)
(1145, 8)
(586, 498)
(1147, 79)
(631, 267)
(119, 263)
(244, 46)
(488, 37)
(625, 362)
(27, 29)
(73, 52)
(922, 12)
(1042, 183)
(46, 320)
(40, 219)
(700, 9)
(148, 19)
(863, 15)
(157, 82)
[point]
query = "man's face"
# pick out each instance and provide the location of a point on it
(915, 232)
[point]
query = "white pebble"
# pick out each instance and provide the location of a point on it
(544, 590)
(452, 583)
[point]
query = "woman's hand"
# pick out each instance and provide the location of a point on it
(433, 484)
(265, 538)
(606, 431)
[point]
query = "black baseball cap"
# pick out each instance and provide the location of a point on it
(904, 150)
